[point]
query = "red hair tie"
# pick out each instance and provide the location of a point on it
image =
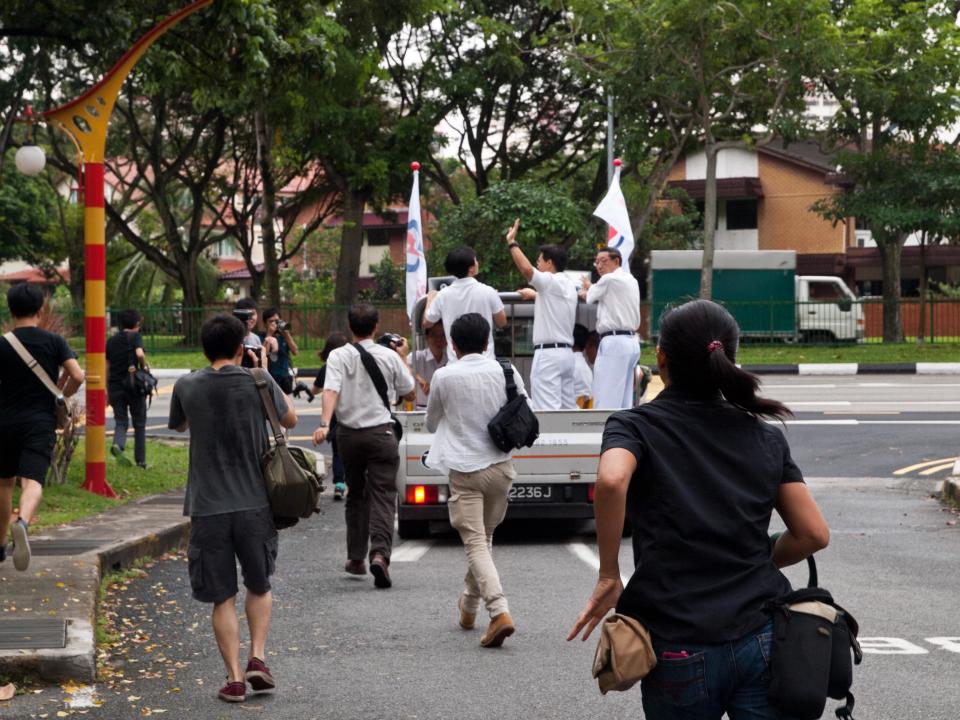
(715, 345)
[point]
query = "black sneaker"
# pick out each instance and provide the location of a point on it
(21, 545)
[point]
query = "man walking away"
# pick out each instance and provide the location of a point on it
(464, 295)
(427, 361)
(617, 295)
(554, 314)
(226, 498)
(366, 439)
(124, 355)
(464, 398)
(28, 426)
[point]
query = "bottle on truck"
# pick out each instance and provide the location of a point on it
(762, 290)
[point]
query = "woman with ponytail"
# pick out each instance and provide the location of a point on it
(698, 472)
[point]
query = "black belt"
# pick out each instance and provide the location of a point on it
(551, 346)
(617, 332)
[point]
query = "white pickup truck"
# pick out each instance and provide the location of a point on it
(555, 477)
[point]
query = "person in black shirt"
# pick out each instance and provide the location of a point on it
(334, 340)
(28, 415)
(124, 355)
(698, 473)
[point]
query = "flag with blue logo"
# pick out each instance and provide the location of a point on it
(416, 260)
(613, 210)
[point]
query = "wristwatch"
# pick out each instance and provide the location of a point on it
(322, 424)
(513, 245)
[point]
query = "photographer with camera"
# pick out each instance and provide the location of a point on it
(254, 354)
(279, 346)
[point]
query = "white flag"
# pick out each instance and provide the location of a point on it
(416, 260)
(613, 210)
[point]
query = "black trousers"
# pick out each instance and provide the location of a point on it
(123, 403)
(371, 460)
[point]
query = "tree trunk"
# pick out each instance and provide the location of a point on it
(271, 268)
(922, 314)
(709, 220)
(348, 266)
(192, 304)
(891, 248)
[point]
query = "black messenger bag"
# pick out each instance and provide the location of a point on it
(813, 652)
(514, 426)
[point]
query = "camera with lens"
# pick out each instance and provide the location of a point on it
(390, 340)
(282, 325)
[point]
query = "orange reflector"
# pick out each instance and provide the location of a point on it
(591, 489)
(423, 494)
(419, 495)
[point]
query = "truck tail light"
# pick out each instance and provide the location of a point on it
(423, 494)
(591, 489)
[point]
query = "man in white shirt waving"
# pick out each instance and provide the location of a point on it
(464, 295)
(464, 398)
(617, 295)
(554, 314)
(366, 440)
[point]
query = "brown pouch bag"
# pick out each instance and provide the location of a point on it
(624, 653)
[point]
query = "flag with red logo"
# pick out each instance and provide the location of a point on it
(416, 260)
(613, 210)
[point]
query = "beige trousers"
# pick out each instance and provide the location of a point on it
(477, 504)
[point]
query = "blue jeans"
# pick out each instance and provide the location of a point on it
(731, 677)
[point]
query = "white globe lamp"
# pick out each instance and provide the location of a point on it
(30, 160)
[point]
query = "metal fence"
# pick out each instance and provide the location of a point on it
(171, 329)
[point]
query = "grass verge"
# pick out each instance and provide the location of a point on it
(167, 470)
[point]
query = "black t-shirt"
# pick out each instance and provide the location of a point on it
(23, 398)
(121, 355)
(699, 504)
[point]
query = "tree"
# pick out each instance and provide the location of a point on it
(895, 73)
(27, 209)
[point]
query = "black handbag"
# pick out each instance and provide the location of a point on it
(139, 382)
(514, 426)
(373, 370)
(810, 658)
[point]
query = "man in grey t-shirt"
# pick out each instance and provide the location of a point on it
(226, 498)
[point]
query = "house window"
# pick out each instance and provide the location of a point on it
(377, 236)
(226, 247)
(742, 214)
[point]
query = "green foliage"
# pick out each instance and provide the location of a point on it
(27, 217)
(389, 282)
(301, 289)
(674, 225)
(547, 216)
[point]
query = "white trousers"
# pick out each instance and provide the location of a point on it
(613, 372)
(552, 379)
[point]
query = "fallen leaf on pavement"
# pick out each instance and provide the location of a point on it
(7, 691)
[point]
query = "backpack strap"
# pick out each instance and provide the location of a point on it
(508, 376)
(31, 363)
(261, 377)
(373, 370)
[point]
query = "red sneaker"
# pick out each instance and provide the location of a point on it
(233, 692)
(258, 675)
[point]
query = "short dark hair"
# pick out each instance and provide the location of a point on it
(221, 337)
(363, 319)
(555, 254)
(334, 341)
(269, 313)
(24, 300)
(128, 319)
(460, 260)
(247, 303)
(613, 253)
(470, 333)
(580, 335)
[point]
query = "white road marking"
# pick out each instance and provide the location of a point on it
(590, 558)
(410, 551)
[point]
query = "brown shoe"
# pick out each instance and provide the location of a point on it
(467, 619)
(355, 567)
(379, 570)
(233, 692)
(500, 628)
(258, 675)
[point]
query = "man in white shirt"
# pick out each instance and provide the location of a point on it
(366, 440)
(617, 295)
(427, 361)
(464, 295)
(554, 314)
(464, 398)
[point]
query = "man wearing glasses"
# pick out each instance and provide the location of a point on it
(617, 295)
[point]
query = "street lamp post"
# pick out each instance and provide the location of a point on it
(85, 120)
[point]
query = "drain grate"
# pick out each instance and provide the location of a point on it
(30, 634)
(51, 548)
(164, 500)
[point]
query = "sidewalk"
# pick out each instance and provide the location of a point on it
(48, 612)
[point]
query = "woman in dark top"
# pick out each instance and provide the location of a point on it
(698, 473)
(124, 354)
(334, 340)
(279, 345)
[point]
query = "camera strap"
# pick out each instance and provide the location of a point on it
(373, 370)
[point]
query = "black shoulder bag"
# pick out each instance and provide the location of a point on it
(810, 659)
(139, 382)
(514, 426)
(373, 370)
